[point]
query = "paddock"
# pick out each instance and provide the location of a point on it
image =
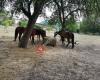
(56, 63)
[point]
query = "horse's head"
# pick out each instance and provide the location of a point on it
(55, 34)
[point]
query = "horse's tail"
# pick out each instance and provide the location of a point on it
(16, 33)
(72, 40)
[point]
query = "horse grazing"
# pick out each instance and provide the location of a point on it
(20, 30)
(38, 32)
(66, 34)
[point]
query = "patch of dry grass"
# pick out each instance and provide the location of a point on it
(57, 63)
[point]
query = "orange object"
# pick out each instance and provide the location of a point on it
(40, 49)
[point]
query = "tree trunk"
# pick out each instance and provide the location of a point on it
(63, 15)
(32, 20)
(24, 40)
(38, 6)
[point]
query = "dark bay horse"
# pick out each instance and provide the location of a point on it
(19, 31)
(39, 32)
(66, 34)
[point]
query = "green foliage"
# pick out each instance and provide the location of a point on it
(71, 24)
(7, 22)
(72, 27)
(49, 28)
(37, 27)
(23, 23)
(2, 14)
(89, 27)
(52, 21)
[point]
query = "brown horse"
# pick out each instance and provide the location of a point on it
(66, 34)
(39, 32)
(19, 31)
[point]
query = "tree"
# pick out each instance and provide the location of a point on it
(66, 9)
(25, 6)
(91, 25)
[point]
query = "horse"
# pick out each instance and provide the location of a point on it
(19, 31)
(38, 32)
(66, 34)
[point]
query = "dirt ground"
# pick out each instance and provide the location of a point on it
(56, 63)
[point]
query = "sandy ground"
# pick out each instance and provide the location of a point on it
(57, 63)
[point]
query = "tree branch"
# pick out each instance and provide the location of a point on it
(72, 12)
(38, 6)
(63, 15)
(59, 11)
(29, 4)
(28, 14)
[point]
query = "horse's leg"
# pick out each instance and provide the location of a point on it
(43, 38)
(16, 34)
(33, 39)
(38, 37)
(72, 42)
(68, 42)
(62, 39)
(20, 34)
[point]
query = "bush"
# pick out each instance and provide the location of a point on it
(72, 27)
(7, 22)
(89, 27)
(49, 28)
(37, 27)
(23, 23)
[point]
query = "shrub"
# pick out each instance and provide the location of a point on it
(7, 22)
(23, 23)
(89, 27)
